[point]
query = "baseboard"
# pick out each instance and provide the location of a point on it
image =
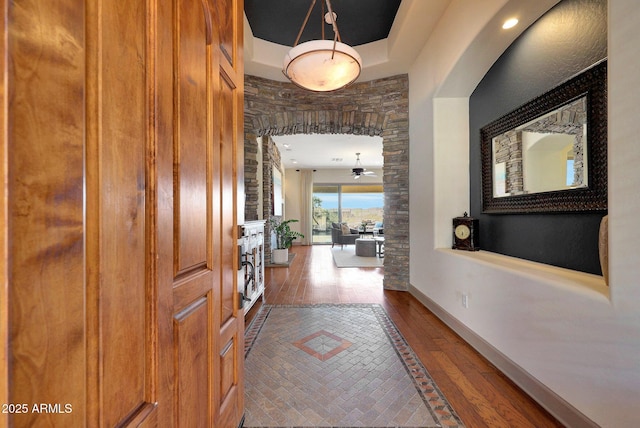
(552, 402)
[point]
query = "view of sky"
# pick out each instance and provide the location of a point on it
(352, 200)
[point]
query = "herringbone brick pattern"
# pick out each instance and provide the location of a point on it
(329, 365)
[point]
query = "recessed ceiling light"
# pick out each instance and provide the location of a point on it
(510, 23)
(285, 145)
(294, 161)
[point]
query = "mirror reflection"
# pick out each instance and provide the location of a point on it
(546, 154)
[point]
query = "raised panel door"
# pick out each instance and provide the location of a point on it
(124, 127)
(204, 184)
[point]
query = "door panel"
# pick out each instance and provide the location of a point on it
(205, 216)
(116, 213)
(229, 304)
(228, 134)
(192, 355)
(227, 369)
(194, 281)
(192, 136)
(226, 20)
(45, 213)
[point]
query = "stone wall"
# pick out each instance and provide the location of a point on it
(252, 187)
(508, 150)
(379, 107)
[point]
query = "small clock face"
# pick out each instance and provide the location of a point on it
(462, 231)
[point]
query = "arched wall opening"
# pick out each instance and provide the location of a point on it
(379, 107)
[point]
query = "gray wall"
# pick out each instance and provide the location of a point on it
(568, 39)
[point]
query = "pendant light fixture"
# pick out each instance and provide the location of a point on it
(322, 65)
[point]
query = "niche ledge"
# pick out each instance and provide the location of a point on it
(580, 282)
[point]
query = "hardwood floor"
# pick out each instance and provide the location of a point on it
(480, 394)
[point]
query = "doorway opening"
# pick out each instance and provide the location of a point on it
(375, 108)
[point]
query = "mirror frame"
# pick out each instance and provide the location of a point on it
(592, 83)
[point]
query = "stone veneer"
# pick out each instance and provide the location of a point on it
(508, 150)
(379, 107)
(270, 159)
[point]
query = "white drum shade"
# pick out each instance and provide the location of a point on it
(315, 66)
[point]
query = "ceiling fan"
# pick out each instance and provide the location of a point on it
(358, 171)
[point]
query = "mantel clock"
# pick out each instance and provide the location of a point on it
(465, 233)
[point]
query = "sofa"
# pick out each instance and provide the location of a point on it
(339, 235)
(371, 227)
(378, 228)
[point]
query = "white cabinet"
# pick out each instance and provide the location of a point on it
(251, 278)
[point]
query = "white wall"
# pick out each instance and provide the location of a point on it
(292, 199)
(567, 330)
(544, 161)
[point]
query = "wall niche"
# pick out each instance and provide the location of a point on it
(539, 60)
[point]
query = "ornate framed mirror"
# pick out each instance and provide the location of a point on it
(550, 154)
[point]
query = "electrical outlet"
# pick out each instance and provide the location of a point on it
(465, 300)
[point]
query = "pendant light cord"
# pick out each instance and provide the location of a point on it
(304, 24)
(334, 25)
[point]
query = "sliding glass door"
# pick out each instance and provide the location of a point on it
(361, 203)
(326, 209)
(345, 203)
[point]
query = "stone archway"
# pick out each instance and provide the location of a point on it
(376, 108)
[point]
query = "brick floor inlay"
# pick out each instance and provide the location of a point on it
(336, 366)
(322, 345)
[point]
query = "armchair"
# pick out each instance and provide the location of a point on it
(339, 237)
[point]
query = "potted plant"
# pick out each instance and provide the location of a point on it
(284, 239)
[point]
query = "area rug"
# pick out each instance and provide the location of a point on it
(346, 258)
(336, 366)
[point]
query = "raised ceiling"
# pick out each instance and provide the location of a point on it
(388, 34)
(271, 27)
(359, 22)
(413, 24)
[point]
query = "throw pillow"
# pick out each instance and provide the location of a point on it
(345, 229)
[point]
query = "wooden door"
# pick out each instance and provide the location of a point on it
(198, 186)
(122, 126)
(43, 138)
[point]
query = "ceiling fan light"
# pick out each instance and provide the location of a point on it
(315, 66)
